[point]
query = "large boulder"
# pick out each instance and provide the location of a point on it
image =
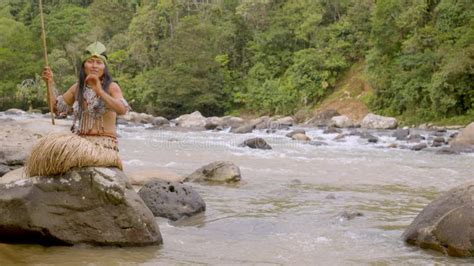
(193, 120)
(217, 172)
(464, 141)
(137, 118)
(146, 118)
(262, 122)
(171, 200)
(160, 121)
(94, 205)
(232, 121)
(341, 121)
(322, 118)
(284, 122)
(256, 143)
(373, 121)
(214, 122)
(446, 224)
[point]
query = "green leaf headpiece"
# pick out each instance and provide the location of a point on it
(96, 49)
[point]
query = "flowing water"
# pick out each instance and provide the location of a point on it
(287, 208)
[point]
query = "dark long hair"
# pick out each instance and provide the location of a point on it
(106, 81)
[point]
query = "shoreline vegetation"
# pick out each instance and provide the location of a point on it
(412, 61)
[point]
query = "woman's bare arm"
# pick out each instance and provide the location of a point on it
(114, 99)
(67, 97)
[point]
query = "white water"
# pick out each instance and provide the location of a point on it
(280, 213)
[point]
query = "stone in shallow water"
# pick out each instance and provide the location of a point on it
(296, 131)
(96, 206)
(4, 169)
(172, 200)
(300, 137)
(349, 215)
(415, 138)
(216, 172)
(243, 129)
(401, 134)
(438, 141)
(419, 147)
(365, 135)
(256, 143)
(331, 196)
(446, 224)
(447, 150)
(374, 121)
(332, 130)
(464, 141)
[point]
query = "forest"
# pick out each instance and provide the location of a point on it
(272, 57)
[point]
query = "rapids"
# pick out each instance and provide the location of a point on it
(287, 208)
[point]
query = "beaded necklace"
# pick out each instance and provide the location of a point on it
(90, 116)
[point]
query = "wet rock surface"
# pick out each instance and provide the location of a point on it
(95, 206)
(300, 137)
(323, 118)
(172, 200)
(296, 131)
(401, 134)
(341, 121)
(373, 121)
(445, 224)
(216, 172)
(349, 215)
(256, 143)
(243, 129)
(464, 141)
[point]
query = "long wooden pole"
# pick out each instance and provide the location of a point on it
(45, 50)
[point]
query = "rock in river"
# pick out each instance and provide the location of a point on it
(256, 143)
(171, 200)
(217, 172)
(446, 224)
(93, 205)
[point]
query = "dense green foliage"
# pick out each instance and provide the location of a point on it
(422, 58)
(259, 56)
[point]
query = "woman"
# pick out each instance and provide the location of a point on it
(96, 101)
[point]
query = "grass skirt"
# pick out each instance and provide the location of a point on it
(59, 152)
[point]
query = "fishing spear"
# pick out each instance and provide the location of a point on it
(45, 50)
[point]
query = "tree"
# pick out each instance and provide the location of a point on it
(18, 60)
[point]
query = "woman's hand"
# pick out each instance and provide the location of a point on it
(93, 81)
(47, 75)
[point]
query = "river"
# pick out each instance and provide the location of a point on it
(287, 208)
